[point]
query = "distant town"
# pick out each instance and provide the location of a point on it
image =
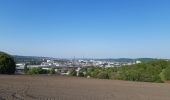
(63, 66)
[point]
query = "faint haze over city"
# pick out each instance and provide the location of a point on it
(86, 28)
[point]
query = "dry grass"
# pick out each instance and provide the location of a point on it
(20, 87)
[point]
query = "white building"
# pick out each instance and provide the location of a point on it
(138, 62)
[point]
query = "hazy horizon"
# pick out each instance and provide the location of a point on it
(85, 28)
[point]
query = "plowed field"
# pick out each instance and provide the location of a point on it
(44, 87)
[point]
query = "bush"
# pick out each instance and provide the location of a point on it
(73, 73)
(165, 75)
(7, 64)
(81, 74)
(38, 70)
(52, 71)
(103, 75)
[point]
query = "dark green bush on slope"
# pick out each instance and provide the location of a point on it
(7, 64)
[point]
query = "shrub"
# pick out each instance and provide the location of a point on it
(7, 64)
(103, 75)
(165, 74)
(38, 70)
(73, 73)
(81, 74)
(52, 71)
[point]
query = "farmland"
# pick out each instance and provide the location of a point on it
(44, 87)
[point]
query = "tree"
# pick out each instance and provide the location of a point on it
(52, 71)
(7, 64)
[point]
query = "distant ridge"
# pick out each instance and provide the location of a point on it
(19, 58)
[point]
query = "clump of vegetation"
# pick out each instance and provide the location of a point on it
(165, 74)
(73, 72)
(52, 71)
(38, 70)
(153, 71)
(7, 64)
(103, 75)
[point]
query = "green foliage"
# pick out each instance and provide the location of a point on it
(165, 75)
(153, 71)
(95, 72)
(103, 75)
(81, 74)
(7, 64)
(52, 71)
(162, 75)
(73, 72)
(38, 70)
(146, 72)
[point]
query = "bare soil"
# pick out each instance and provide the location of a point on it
(44, 87)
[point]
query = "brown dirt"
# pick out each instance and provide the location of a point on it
(20, 87)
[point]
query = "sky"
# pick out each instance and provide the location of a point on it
(85, 28)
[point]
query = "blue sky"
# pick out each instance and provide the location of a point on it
(86, 28)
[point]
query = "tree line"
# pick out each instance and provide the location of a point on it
(153, 71)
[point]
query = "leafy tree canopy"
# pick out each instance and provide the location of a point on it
(7, 64)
